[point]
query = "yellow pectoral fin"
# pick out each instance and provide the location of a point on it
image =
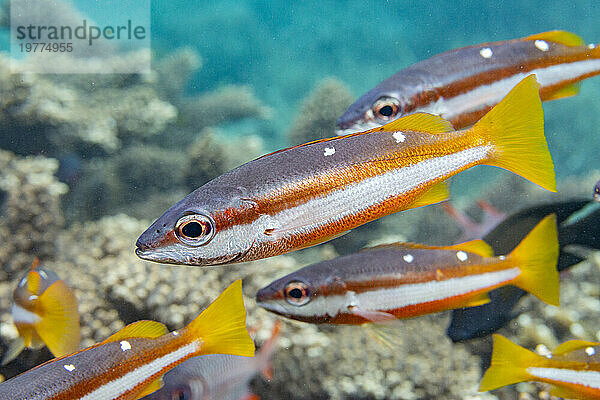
(573, 345)
(477, 246)
(565, 91)
(139, 329)
(59, 323)
(151, 388)
(562, 37)
(419, 122)
(438, 193)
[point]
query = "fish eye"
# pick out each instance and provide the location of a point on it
(386, 108)
(297, 293)
(195, 229)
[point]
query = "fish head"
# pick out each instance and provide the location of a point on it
(212, 225)
(302, 295)
(597, 191)
(32, 284)
(372, 110)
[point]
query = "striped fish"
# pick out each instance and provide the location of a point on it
(308, 194)
(44, 311)
(406, 280)
(463, 84)
(130, 363)
(217, 376)
(573, 368)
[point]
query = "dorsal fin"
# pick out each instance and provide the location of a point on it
(477, 246)
(419, 122)
(139, 329)
(572, 345)
(562, 37)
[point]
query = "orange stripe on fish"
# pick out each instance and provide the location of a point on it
(129, 364)
(573, 368)
(309, 194)
(407, 280)
(463, 84)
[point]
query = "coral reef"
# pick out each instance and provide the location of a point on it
(319, 111)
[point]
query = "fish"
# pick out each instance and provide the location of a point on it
(44, 310)
(461, 85)
(130, 363)
(572, 369)
(578, 224)
(597, 192)
(217, 376)
(308, 194)
(404, 280)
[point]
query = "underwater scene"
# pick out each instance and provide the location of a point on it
(299, 200)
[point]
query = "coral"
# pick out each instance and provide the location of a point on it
(319, 111)
(31, 214)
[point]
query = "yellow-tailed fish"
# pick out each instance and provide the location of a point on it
(131, 363)
(44, 311)
(573, 368)
(461, 85)
(404, 280)
(308, 194)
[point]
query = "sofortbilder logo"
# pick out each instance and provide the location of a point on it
(81, 36)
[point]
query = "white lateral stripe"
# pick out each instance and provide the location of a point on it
(372, 191)
(590, 379)
(487, 95)
(117, 387)
(418, 293)
(23, 316)
(393, 298)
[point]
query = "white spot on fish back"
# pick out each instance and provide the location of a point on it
(486, 52)
(591, 46)
(33, 297)
(408, 258)
(461, 255)
(399, 136)
(43, 274)
(542, 45)
(69, 367)
(502, 258)
(590, 351)
(329, 151)
(136, 376)
(125, 345)
(175, 333)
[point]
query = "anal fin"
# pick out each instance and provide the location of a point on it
(436, 194)
(475, 301)
(562, 92)
(151, 388)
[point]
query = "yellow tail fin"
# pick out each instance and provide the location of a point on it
(59, 323)
(537, 256)
(515, 128)
(509, 364)
(222, 326)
